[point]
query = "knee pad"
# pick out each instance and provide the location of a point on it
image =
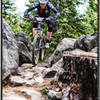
(50, 28)
(35, 23)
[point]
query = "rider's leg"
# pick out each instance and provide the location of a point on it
(49, 36)
(33, 31)
(35, 24)
(49, 32)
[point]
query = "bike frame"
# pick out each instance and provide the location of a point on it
(39, 31)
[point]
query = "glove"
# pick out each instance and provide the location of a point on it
(26, 16)
(52, 18)
(29, 17)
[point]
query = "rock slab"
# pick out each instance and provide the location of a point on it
(10, 55)
(24, 48)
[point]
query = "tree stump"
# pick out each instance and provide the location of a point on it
(80, 73)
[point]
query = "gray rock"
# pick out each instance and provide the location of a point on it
(32, 94)
(65, 44)
(30, 83)
(58, 64)
(27, 65)
(20, 71)
(6, 77)
(54, 95)
(25, 72)
(28, 75)
(94, 50)
(17, 81)
(50, 72)
(24, 48)
(32, 74)
(24, 68)
(46, 65)
(78, 50)
(65, 93)
(38, 71)
(39, 79)
(79, 42)
(86, 42)
(11, 95)
(10, 57)
(22, 93)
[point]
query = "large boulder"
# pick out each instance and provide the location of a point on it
(65, 44)
(24, 48)
(94, 50)
(78, 50)
(86, 42)
(10, 56)
(50, 72)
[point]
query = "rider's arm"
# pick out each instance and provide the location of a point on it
(54, 10)
(31, 8)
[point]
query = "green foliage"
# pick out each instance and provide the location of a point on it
(7, 8)
(91, 17)
(31, 67)
(44, 90)
(8, 13)
(72, 26)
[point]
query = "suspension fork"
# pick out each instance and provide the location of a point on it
(40, 43)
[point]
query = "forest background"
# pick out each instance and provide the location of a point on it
(71, 23)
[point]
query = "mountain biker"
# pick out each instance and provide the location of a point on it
(44, 8)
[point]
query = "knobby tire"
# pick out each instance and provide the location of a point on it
(35, 51)
(42, 50)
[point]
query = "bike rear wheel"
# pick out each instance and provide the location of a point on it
(35, 51)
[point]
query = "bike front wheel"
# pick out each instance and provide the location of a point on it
(42, 50)
(35, 51)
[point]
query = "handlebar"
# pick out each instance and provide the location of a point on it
(39, 18)
(42, 19)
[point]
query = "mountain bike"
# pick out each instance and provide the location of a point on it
(38, 41)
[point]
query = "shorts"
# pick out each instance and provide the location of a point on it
(49, 24)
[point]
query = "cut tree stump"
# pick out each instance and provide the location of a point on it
(80, 73)
(80, 54)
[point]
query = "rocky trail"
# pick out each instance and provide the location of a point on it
(29, 83)
(25, 86)
(70, 73)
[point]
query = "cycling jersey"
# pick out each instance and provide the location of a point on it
(45, 12)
